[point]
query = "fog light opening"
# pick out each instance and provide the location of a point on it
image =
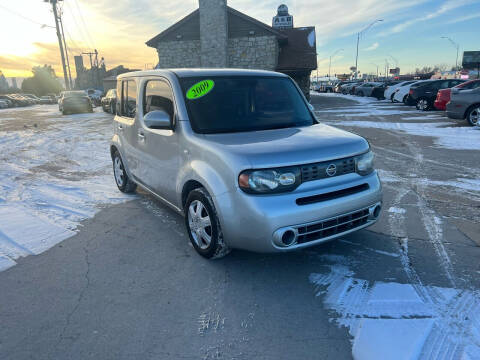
(289, 237)
(376, 211)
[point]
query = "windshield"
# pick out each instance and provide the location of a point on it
(235, 104)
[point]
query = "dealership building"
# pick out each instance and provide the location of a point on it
(217, 36)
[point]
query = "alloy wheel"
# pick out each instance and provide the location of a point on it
(200, 225)
(422, 104)
(474, 116)
(118, 171)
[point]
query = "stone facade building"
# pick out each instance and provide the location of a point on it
(217, 36)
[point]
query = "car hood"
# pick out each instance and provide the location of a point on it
(290, 146)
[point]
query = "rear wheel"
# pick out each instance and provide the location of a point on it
(391, 98)
(112, 109)
(124, 183)
(473, 115)
(203, 226)
(423, 104)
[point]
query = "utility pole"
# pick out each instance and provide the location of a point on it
(60, 44)
(358, 41)
(330, 63)
(66, 53)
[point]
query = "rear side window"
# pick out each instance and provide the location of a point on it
(158, 96)
(129, 98)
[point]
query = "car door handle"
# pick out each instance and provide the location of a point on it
(141, 136)
(120, 127)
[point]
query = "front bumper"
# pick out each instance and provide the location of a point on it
(255, 222)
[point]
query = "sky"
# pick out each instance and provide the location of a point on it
(410, 33)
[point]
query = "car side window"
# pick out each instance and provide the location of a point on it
(129, 98)
(443, 85)
(158, 96)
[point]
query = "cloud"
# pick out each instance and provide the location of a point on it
(372, 47)
(464, 18)
(446, 7)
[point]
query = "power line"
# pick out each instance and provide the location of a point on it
(84, 24)
(80, 29)
(26, 18)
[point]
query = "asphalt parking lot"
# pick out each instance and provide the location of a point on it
(128, 285)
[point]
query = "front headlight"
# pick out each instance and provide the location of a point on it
(364, 163)
(269, 180)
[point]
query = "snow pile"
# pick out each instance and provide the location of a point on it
(458, 138)
(52, 177)
(389, 320)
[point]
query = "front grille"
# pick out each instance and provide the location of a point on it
(332, 195)
(333, 226)
(318, 171)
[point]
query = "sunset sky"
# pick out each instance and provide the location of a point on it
(411, 31)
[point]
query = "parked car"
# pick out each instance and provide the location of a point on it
(36, 99)
(401, 93)
(391, 89)
(338, 86)
(350, 87)
(95, 96)
(365, 89)
(464, 104)
(45, 100)
(21, 100)
(253, 171)
(443, 95)
(3, 104)
(73, 102)
(8, 100)
(423, 95)
(109, 101)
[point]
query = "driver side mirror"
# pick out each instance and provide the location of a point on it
(158, 119)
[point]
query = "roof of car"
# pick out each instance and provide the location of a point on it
(182, 73)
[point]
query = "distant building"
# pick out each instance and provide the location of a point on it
(217, 36)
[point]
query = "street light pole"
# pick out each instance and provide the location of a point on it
(358, 41)
(457, 46)
(330, 63)
(377, 69)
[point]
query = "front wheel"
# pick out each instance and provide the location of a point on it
(112, 109)
(203, 225)
(473, 115)
(124, 183)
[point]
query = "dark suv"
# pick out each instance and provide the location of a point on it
(423, 94)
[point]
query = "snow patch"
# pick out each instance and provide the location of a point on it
(389, 320)
(396, 210)
(51, 179)
(458, 138)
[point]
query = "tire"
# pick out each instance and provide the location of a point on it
(423, 104)
(360, 93)
(124, 183)
(404, 100)
(112, 109)
(391, 98)
(203, 226)
(473, 115)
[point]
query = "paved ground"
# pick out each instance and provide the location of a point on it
(129, 285)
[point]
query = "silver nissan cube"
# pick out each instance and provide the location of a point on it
(240, 154)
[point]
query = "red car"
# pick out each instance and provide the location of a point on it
(443, 95)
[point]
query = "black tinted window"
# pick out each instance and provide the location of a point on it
(237, 104)
(158, 96)
(129, 98)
